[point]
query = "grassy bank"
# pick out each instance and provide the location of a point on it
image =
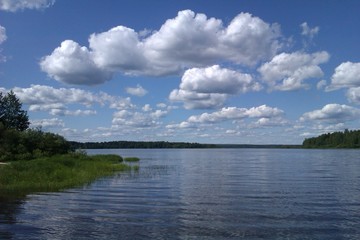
(56, 173)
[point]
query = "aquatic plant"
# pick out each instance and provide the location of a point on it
(131, 159)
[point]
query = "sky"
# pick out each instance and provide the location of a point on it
(215, 71)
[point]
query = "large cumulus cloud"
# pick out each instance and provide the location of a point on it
(73, 64)
(346, 75)
(186, 41)
(288, 71)
(210, 87)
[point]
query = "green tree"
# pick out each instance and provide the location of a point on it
(11, 114)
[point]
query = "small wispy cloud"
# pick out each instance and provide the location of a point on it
(3, 38)
(309, 32)
(138, 91)
(16, 5)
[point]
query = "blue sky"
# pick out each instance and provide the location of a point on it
(199, 71)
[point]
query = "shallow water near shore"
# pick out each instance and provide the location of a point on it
(202, 194)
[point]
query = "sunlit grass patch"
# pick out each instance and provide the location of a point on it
(57, 173)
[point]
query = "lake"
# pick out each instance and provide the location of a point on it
(203, 194)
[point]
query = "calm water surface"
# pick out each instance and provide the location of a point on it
(203, 194)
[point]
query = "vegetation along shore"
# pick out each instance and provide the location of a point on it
(57, 173)
(37, 161)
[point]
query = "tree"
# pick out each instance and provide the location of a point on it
(346, 139)
(11, 114)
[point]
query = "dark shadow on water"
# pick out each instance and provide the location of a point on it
(10, 207)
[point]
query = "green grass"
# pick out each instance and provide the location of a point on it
(131, 159)
(56, 173)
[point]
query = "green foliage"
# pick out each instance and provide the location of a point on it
(56, 173)
(17, 142)
(29, 144)
(346, 139)
(11, 114)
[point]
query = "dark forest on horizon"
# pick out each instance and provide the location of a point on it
(137, 144)
(346, 139)
(165, 144)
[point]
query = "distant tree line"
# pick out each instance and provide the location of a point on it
(282, 146)
(133, 144)
(17, 141)
(346, 139)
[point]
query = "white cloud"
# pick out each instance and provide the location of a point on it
(224, 114)
(307, 31)
(321, 128)
(47, 123)
(161, 105)
(182, 125)
(118, 49)
(353, 95)
(269, 122)
(232, 132)
(321, 84)
(186, 41)
(117, 102)
(55, 101)
(146, 108)
(266, 117)
(209, 87)
(46, 107)
(138, 91)
(3, 38)
(288, 71)
(41, 94)
(334, 113)
(126, 118)
(318, 129)
(264, 111)
(248, 40)
(62, 112)
(215, 79)
(346, 75)
(15, 5)
(193, 100)
(70, 63)
(234, 113)
(158, 114)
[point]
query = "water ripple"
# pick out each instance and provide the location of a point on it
(203, 194)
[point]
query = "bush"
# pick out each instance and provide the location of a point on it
(30, 144)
